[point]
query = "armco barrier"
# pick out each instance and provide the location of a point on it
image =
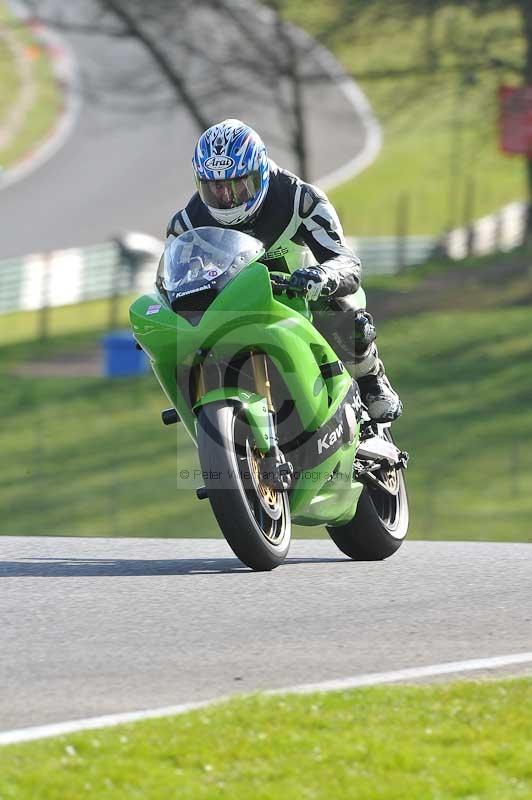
(64, 277)
(388, 255)
(100, 271)
(497, 232)
(128, 264)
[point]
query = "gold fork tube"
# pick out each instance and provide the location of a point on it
(260, 374)
(200, 382)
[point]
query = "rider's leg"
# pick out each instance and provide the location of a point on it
(352, 334)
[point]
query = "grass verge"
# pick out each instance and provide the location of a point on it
(461, 740)
(440, 131)
(22, 329)
(46, 104)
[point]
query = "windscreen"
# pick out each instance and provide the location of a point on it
(198, 258)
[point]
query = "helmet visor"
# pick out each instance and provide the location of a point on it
(230, 193)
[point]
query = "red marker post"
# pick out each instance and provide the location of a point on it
(515, 120)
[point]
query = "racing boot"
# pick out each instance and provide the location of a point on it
(352, 334)
(377, 394)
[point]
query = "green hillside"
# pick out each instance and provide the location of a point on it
(89, 456)
(440, 127)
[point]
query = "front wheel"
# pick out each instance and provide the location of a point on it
(253, 517)
(380, 524)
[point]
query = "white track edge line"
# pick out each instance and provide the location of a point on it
(360, 103)
(411, 673)
(373, 139)
(357, 681)
(66, 72)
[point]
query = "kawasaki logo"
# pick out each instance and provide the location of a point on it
(330, 438)
(219, 162)
(193, 291)
(340, 430)
(339, 433)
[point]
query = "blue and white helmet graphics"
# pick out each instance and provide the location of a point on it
(227, 151)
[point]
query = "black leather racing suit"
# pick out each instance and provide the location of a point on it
(298, 227)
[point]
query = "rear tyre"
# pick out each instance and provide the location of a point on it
(254, 518)
(380, 524)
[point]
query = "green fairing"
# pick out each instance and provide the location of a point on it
(246, 315)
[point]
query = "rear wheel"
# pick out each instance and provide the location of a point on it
(380, 524)
(253, 517)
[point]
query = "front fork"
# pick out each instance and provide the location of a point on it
(274, 470)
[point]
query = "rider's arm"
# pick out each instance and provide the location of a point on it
(321, 231)
(175, 227)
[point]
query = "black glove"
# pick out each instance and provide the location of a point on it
(313, 282)
(279, 280)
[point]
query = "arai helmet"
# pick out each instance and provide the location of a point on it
(232, 171)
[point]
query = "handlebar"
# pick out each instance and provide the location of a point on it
(281, 285)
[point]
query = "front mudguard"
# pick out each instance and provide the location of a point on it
(254, 407)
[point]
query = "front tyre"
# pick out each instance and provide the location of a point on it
(380, 524)
(254, 518)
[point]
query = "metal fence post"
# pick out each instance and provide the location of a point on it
(469, 211)
(114, 298)
(402, 219)
(44, 313)
(498, 232)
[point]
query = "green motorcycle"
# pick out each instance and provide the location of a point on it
(281, 431)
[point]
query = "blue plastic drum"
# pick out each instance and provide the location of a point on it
(121, 357)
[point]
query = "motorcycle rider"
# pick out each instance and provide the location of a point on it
(238, 186)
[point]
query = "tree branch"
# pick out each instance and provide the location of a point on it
(161, 60)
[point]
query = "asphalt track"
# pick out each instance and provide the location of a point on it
(90, 627)
(126, 165)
